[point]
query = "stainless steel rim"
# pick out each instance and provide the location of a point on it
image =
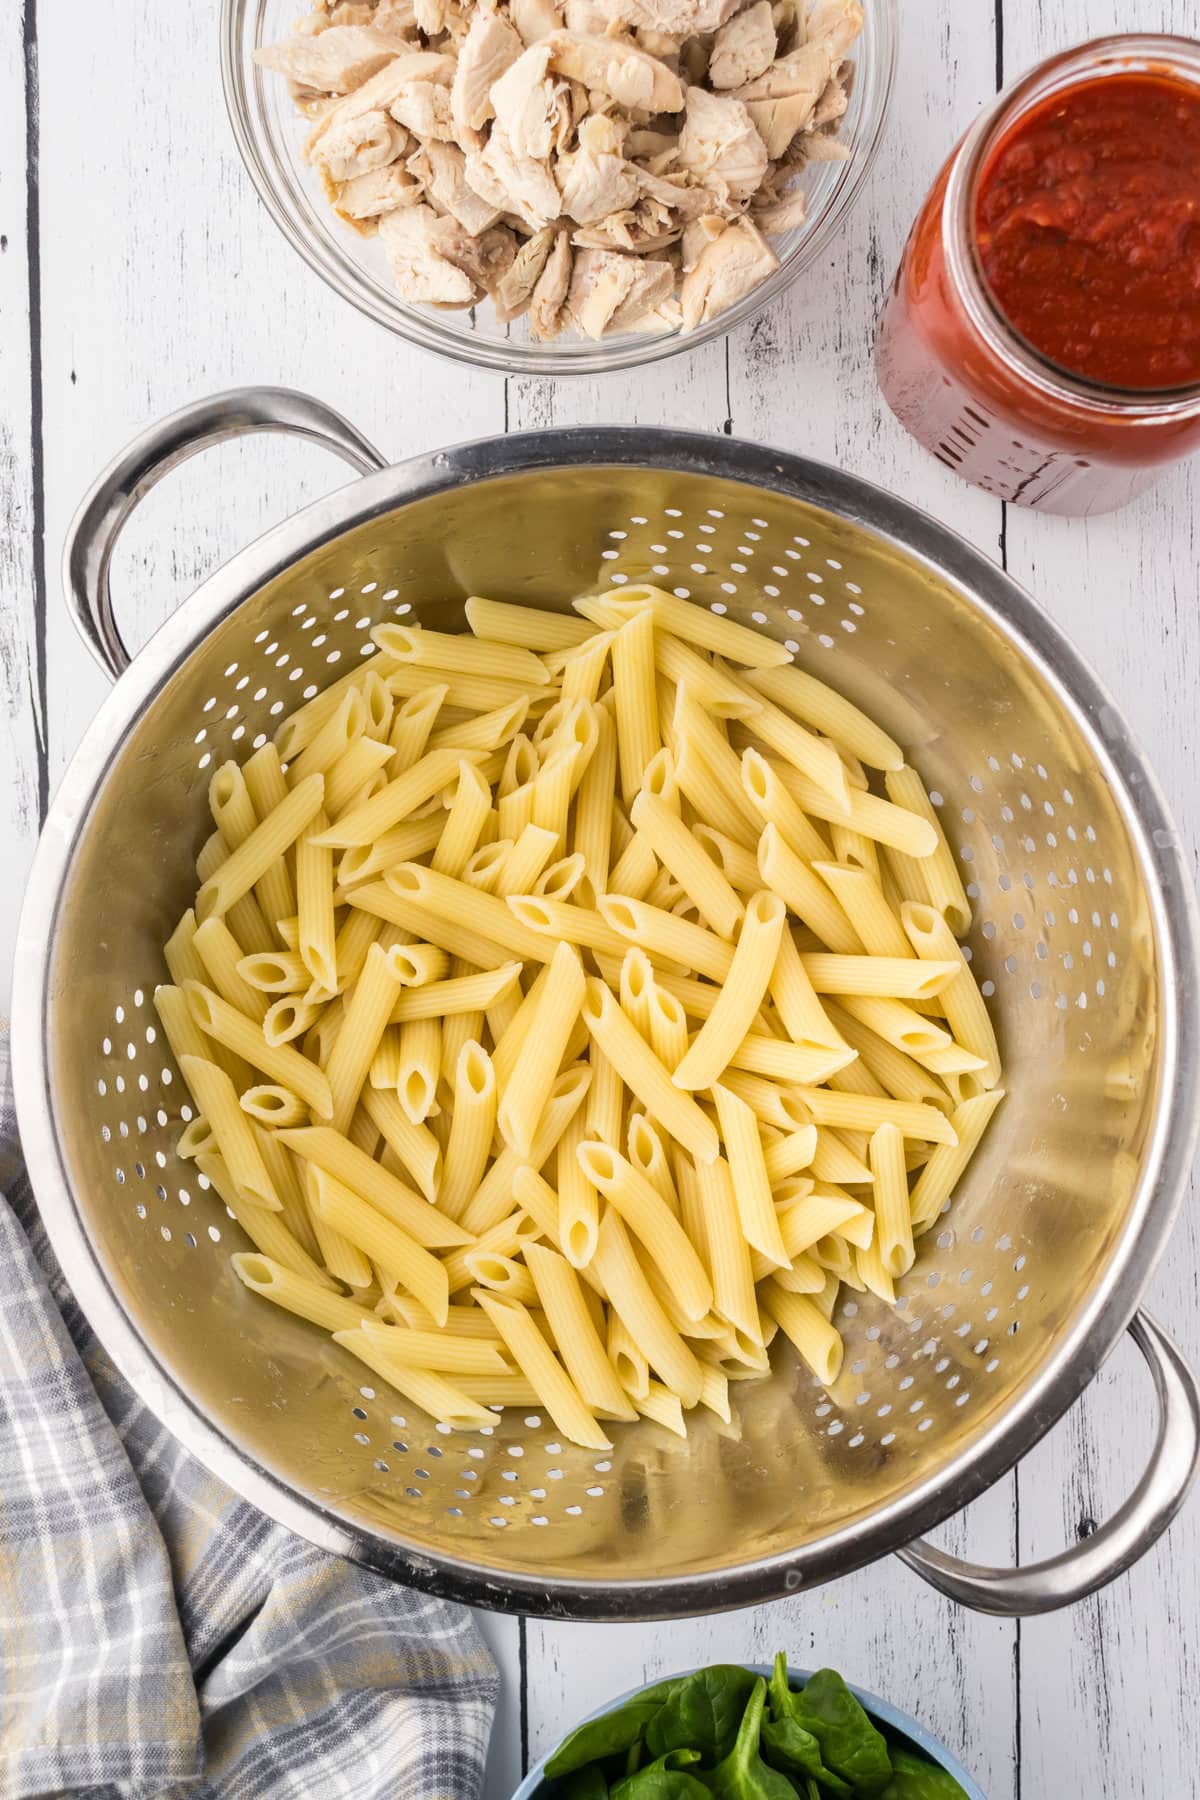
(1168, 1156)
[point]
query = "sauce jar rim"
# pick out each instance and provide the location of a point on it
(1125, 53)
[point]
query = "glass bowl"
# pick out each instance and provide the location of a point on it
(270, 134)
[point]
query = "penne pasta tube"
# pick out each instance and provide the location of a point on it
(775, 806)
(641, 1071)
(728, 1251)
(575, 1334)
(265, 1229)
(398, 800)
(523, 862)
(217, 1099)
(245, 866)
(938, 1179)
(527, 1088)
(442, 1400)
(632, 654)
(664, 1407)
(787, 875)
(414, 1144)
(694, 624)
(439, 1350)
(754, 958)
(420, 1058)
(635, 869)
(811, 1334)
(364, 1021)
(938, 872)
(804, 1018)
(405, 842)
(486, 731)
(578, 1199)
(788, 1155)
(458, 654)
(353, 1168)
(751, 1184)
(860, 897)
(781, 1061)
(529, 627)
(858, 1112)
(317, 931)
(381, 1239)
(874, 818)
(651, 1221)
(677, 849)
(270, 1104)
(385, 902)
(537, 1362)
(271, 972)
(893, 1215)
(648, 1155)
(472, 1125)
(493, 1199)
(241, 1035)
(898, 978)
(966, 1014)
(307, 1299)
(826, 711)
(643, 1318)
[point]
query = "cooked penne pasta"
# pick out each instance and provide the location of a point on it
(598, 971)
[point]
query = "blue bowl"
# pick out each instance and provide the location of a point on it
(899, 1724)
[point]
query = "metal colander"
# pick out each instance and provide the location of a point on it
(1083, 943)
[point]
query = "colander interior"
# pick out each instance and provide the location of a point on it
(1064, 945)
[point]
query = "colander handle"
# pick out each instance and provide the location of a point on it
(101, 517)
(1124, 1539)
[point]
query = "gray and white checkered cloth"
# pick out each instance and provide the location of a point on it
(160, 1637)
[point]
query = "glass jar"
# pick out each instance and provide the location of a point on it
(981, 398)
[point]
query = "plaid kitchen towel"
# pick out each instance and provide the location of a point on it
(160, 1637)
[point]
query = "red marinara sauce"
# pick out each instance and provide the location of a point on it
(1087, 230)
(1042, 336)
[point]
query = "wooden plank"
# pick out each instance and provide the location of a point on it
(22, 612)
(685, 393)
(1108, 1689)
(503, 1773)
(165, 280)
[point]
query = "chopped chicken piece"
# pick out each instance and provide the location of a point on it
(515, 288)
(547, 306)
(661, 44)
(398, 13)
(645, 143)
(534, 19)
(667, 317)
(647, 227)
(679, 18)
(441, 168)
(379, 191)
(379, 93)
(432, 16)
(410, 240)
(782, 212)
(591, 17)
(595, 180)
(673, 193)
(730, 266)
(778, 121)
(359, 145)
(816, 146)
(486, 258)
(600, 281)
(744, 48)
(720, 146)
(491, 46)
(832, 104)
(653, 286)
(698, 235)
(335, 61)
(805, 72)
(616, 67)
(835, 23)
(522, 99)
(517, 184)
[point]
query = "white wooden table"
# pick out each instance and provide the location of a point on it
(137, 270)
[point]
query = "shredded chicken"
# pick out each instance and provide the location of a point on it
(615, 165)
(728, 267)
(745, 48)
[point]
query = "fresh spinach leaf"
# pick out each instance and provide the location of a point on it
(850, 1744)
(702, 1713)
(587, 1783)
(915, 1779)
(787, 1746)
(666, 1778)
(743, 1775)
(610, 1735)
